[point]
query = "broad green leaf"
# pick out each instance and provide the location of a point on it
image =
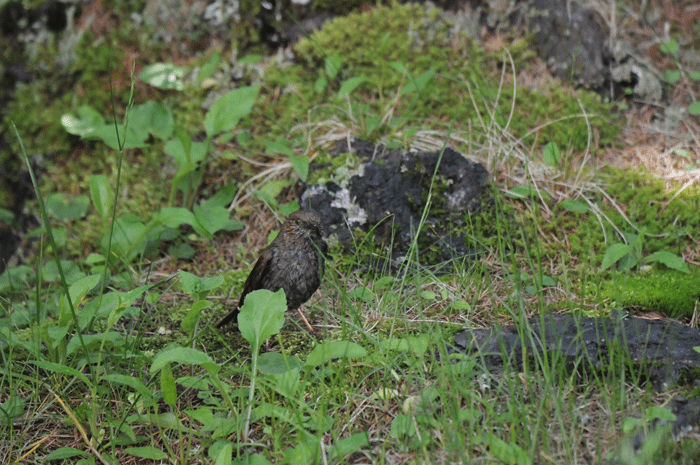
(77, 292)
(669, 259)
(184, 355)
(349, 85)
(193, 284)
(95, 341)
(694, 108)
(332, 65)
(167, 385)
(670, 47)
(286, 384)
(86, 122)
(63, 369)
(192, 317)
(146, 452)
(614, 253)
(209, 67)
(13, 407)
(262, 316)
(417, 345)
(101, 194)
(362, 293)
(223, 196)
(274, 363)
(551, 154)
(279, 145)
(212, 219)
(225, 113)
(164, 76)
(221, 454)
(328, 351)
(131, 382)
(349, 445)
(672, 75)
(574, 206)
(61, 208)
(418, 83)
(129, 237)
(301, 166)
(527, 192)
(154, 118)
(64, 453)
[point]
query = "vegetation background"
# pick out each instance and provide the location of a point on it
(162, 155)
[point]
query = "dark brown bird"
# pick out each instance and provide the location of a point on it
(294, 261)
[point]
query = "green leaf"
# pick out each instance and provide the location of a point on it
(212, 219)
(527, 192)
(154, 118)
(86, 122)
(225, 113)
(694, 108)
(167, 385)
(193, 284)
(417, 345)
(101, 194)
(350, 445)
(129, 237)
(574, 206)
(64, 453)
(417, 84)
(301, 166)
(279, 145)
(67, 209)
(221, 453)
(63, 369)
(192, 317)
(262, 316)
(661, 413)
(274, 363)
(95, 341)
(328, 351)
(77, 292)
(614, 253)
(184, 355)
(349, 85)
(147, 452)
(694, 75)
(131, 382)
(362, 293)
(13, 407)
(164, 76)
(223, 197)
(551, 154)
(332, 66)
(670, 47)
(672, 75)
(669, 259)
(209, 67)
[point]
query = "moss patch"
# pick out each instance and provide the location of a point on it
(666, 291)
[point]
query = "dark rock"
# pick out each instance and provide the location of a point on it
(388, 193)
(662, 350)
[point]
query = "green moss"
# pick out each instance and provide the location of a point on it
(666, 291)
(462, 70)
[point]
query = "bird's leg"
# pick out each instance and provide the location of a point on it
(311, 330)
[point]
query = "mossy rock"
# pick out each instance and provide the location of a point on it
(669, 292)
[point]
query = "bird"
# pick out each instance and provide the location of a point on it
(294, 261)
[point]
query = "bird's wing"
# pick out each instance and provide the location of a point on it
(255, 278)
(258, 274)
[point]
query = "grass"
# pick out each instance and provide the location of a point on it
(129, 369)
